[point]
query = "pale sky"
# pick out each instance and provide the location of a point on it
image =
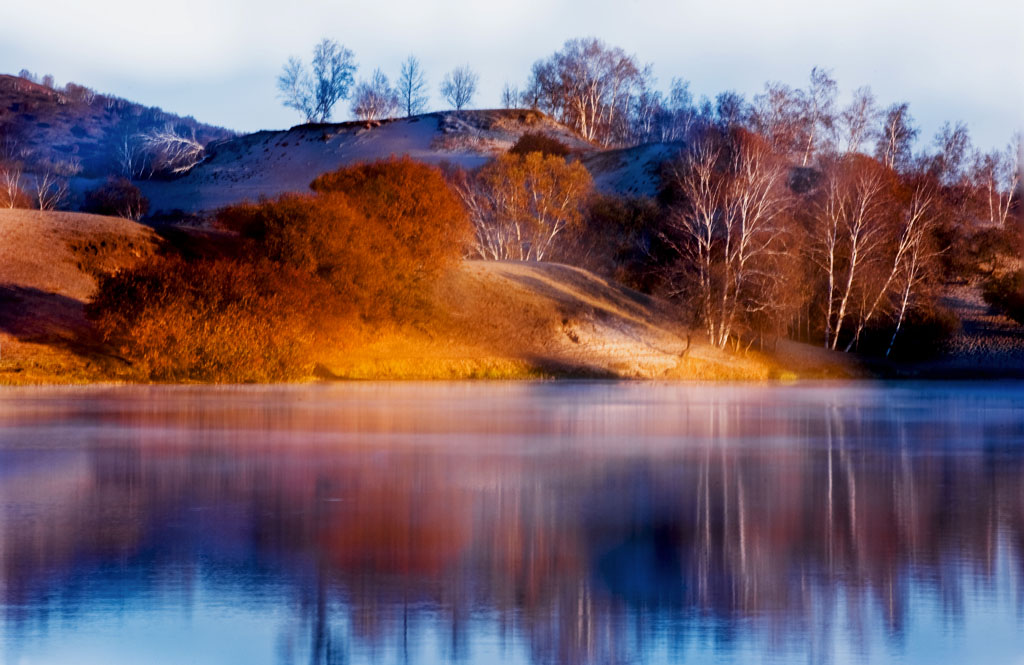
(218, 60)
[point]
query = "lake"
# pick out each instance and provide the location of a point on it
(560, 522)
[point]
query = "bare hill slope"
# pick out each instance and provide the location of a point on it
(272, 162)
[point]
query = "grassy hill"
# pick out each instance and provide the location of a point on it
(515, 320)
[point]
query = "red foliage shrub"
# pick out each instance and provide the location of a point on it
(215, 320)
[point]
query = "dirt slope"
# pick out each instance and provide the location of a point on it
(632, 171)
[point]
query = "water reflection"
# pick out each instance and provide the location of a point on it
(567, 523)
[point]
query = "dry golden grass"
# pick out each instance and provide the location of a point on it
(528, 320)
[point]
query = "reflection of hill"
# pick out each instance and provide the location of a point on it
(592, 526)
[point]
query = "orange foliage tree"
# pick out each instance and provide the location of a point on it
(413, 227)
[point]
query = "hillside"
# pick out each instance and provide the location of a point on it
(49, 262)
(82, 133)
(489, 319)
(39, 124)
(272, 162)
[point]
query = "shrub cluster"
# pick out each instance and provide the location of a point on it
(118, 197)
(214, 320)
(1006, 293)
(538, 142)
(312, 269)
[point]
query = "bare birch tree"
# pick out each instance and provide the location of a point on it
(510, 96)
(818, 113)
(412, 87)
(588, 86)
(897, 137)
(907, 261)
(731, 229)
(459, 87)
(314, 92)
(850, 233)
(997, 175)
(170, 151)
(777, 115)
(12, 194)
(50, 190)
(859, 120)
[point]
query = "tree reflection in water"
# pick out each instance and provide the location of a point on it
(592, 523)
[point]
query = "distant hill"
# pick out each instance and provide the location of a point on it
(74, 125)
(74, 131)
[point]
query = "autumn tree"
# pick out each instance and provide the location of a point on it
(414, 227)
(375, 99)
(314, 91)
(459, 87)
(215, 320)
(412, 87)
(521, 205)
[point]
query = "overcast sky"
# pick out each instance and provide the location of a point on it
(218, 59)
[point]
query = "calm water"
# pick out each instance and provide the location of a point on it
(518, 523)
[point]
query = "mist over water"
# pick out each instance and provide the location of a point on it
(513, 522)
